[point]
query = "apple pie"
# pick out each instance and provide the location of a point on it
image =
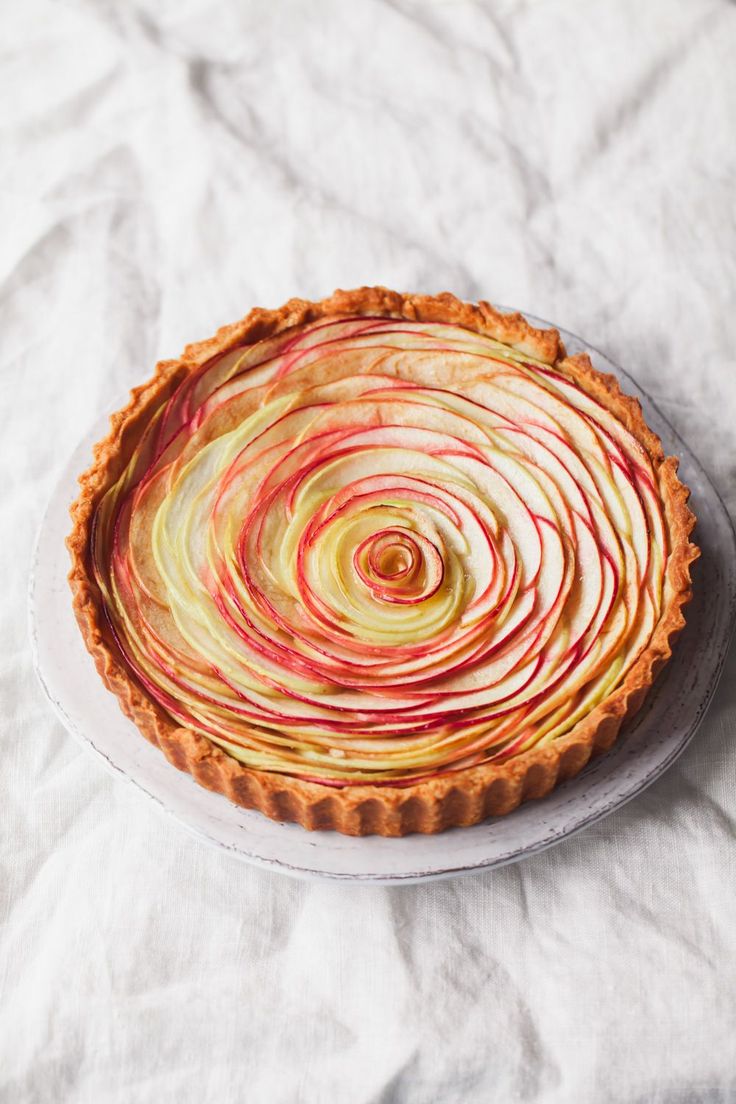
(381, 563)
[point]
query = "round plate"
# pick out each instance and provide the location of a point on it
(647, 746)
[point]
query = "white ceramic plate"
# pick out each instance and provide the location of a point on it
(660, 732)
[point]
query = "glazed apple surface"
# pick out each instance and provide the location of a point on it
(379, 550)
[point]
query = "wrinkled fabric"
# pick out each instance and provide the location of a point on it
(165, 167)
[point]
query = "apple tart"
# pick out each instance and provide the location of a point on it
(381, 563)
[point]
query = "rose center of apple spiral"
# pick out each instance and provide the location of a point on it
(398, 565)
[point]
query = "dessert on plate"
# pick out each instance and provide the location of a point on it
(381, 563)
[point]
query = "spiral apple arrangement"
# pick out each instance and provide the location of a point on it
(380, 550)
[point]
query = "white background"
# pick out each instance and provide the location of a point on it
(164, 168)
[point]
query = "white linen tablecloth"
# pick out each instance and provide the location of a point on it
(166, 166)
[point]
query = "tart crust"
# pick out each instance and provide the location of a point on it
(455, 799)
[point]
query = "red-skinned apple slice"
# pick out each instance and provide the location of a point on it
(374, 549)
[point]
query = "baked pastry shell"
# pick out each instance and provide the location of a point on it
(456, 799)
